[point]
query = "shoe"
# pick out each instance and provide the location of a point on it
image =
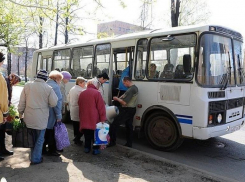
(34, 163)
(6, 153)
(96, 152)
(53, 154)
(78, 142)
(128, 145)
(86, 150)
(112, 144)
(1, 158)
(60, 150)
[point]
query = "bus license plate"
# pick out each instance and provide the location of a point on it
(235, 128)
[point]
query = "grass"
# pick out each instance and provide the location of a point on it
(21, 84)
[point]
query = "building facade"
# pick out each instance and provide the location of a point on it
(117, 28)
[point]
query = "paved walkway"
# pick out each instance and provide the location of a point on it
(113, 164)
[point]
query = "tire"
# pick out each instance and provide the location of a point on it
(162, 132)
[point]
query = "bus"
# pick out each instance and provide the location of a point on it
(190, 79)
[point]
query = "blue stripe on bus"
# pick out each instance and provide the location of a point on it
(186, 121)
(74, 80)
(183, 116)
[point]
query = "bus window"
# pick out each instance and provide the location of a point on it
(102, 59)
(45, 64)
(171, 57)
(141, 59)
(61, 59)
(82, 59)
(49, 65)
(39, 62)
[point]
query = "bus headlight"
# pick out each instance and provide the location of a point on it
(219, 118)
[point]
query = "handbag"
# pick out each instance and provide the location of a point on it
(61, 136)
(23, 137)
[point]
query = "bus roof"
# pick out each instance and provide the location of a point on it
(143, 34)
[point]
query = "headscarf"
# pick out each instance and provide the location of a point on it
(13, 79)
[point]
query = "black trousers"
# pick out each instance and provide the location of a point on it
(89, 139)
(49, 140)
(2, 138)
(125, 116)
(77, 133)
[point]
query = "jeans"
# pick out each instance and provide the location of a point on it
(36, 152)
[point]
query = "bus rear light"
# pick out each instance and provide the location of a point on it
(139, 105)
(137, 117)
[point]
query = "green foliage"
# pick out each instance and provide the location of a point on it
(13, 118)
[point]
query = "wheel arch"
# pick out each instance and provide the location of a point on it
(167, 112)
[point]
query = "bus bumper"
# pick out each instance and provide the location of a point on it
(209, 132)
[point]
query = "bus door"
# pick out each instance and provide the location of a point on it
(122, 59)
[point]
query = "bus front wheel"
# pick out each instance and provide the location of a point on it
(162, 133)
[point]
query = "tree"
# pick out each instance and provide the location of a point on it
(146, 14)
(188, 12)
(11, 26)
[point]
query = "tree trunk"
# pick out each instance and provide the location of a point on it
(26, 60)
(18, 66)
(57, 25)
(66, 31)
(175, 13)
(9, 62)
(41, 32)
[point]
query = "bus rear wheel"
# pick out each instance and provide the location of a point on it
(162, 133)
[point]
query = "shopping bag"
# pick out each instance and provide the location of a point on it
(23, 137)
(61, 136)
(101, 134)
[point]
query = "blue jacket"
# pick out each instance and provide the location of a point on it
(54, 112)
(124, 73)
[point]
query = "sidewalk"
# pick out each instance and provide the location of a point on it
(113, 164)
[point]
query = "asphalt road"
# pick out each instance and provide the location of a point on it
(223, 156)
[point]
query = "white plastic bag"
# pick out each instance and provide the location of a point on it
(101, 134)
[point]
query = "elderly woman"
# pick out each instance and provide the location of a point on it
(72, 99)
(11, 80)
(55, 114)
(91, 112)
(3, 103)
(35, 99)
(66, 78)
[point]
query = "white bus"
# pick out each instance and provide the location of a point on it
(190, 79)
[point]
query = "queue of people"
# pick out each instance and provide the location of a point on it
(43, 102)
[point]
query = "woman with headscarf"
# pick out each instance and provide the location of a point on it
(11, 80)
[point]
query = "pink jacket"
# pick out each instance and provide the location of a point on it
(91, 108)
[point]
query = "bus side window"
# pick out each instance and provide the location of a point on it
(62, 59)
(102, 58)
(39, 62)
(81, 64)
(141, 59)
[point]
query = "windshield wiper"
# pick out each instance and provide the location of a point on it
(226, 77)
(240, 69)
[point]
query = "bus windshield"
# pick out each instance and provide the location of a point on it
(216, 62)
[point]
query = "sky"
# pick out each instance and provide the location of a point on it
(229, 13)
